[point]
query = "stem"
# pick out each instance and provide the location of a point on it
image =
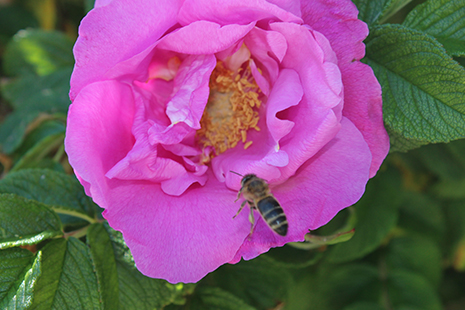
(77, 233)
(75, 214)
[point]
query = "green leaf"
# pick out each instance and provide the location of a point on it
(292, 257)
(18, 274)
(392, 7)
(259, 282)
(401, 144)
(370, 11)
(36, 154)
(213, 298)
(43, 130)
(364, 306)
(137, 291)
(455, 215)
(376, 214)
(351, 283)
(24, 221)
(101, 249)
(423, 89)
(47, 94)
(411, 291)
(420, 215)
(417, 255)
(52, 188)
(39, 52)
(42, 62)
(14, 18)
(89, 5)
(68, 280)
(442, 19)
(13, 129)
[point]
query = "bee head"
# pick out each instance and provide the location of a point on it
(247, 178)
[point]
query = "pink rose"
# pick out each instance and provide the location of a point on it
(171, 96)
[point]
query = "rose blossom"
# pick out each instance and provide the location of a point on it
(170, 96)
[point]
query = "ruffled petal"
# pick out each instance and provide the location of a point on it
(362, 92)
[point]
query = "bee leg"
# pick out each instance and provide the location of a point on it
(252, 222)
(240, 209)
(238, 195)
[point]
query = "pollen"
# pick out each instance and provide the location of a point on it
(232, 110)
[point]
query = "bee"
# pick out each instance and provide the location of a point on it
(257, 194)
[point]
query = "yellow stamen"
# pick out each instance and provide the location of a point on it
(232, 109)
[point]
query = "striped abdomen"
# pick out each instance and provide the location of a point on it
(273, 214)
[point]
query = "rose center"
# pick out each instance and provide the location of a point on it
(232, 110)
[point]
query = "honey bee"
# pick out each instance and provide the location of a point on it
(257, 194)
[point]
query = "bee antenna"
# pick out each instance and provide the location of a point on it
(236, 173)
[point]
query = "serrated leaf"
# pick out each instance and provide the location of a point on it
(259, 282)
(101, 250)
(68, 280)
(39, 52)
(24, 221)
(423, 89)
(213, 298)
(51, 188)
(137, 291)
(52, 265)
(409, 290)
(18, 273)
(417, 255)
(376, 214)
(401, 144)
(442, 19)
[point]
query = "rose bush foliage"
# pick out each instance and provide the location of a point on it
(161, 91)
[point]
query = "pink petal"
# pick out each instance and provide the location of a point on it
(95, 143)
(232, 12)
(266, 47)
(191, 90)
(263, 156)
(332, 180)
(116, 32)
(316, 117)
(99, 3)
(168, 235)
(179, 239)
(362, 92)
(204, 37)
